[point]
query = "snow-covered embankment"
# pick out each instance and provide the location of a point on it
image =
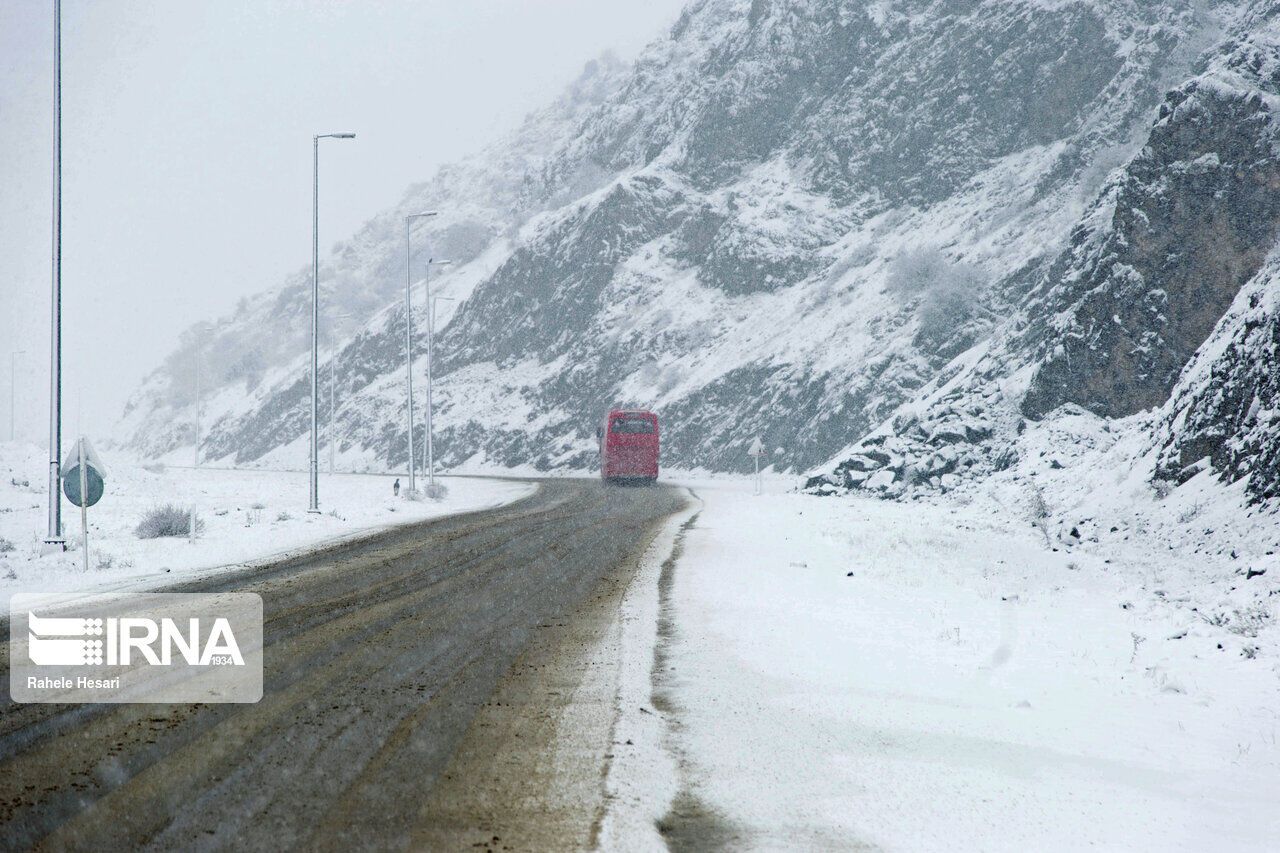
(242, 517)
(935, 675)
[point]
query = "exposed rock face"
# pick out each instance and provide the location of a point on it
(1225, 413)
(785, 220)
(1161, 301)
(1194, 216)
(1225, 410)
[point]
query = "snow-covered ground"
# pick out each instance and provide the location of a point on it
(244, 517)
(935, 675)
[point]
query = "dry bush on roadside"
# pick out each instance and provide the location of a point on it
(167, 520)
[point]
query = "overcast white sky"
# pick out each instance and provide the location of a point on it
(187, 131)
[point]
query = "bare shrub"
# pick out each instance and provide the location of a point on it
(283, 516)
(167, 520)
(916, 271)
(5, 545)
(948, 291)
(1162, 488)
(1038, 510)
(1190, 513)
(1037, 506)
(437, 491)
(1246, 621)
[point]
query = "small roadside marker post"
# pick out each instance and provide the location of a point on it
(82, 482)
(757, 450)
(84, 507)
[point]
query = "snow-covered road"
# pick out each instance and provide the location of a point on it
(933, 676)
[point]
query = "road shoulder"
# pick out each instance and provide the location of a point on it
(643, 776)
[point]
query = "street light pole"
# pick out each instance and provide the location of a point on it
(431, 343)
(13, 383)
(315, 313)
(53, 536)
(333, 366)
(408, 331)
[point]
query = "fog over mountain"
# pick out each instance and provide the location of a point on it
(884, 237)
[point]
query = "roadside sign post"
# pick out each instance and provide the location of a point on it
(84, 507)
(82, 482)
(757, 450)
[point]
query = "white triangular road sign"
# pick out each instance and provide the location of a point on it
(73, 458)
(757, 448)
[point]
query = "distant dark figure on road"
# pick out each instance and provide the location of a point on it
(395, 487)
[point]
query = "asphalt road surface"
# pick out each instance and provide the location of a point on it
(439, 686)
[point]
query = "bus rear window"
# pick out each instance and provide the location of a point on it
(631, 426)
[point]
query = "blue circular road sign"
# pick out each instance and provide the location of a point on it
(71, 485)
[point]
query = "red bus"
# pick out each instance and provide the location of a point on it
(628, 446)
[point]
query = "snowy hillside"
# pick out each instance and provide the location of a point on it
(786, 219)
(257, 353)
(1158, 312)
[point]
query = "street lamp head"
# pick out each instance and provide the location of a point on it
(424, 213)
(439, 262)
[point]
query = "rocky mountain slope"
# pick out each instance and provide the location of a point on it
(790, 219)
(1160, 303)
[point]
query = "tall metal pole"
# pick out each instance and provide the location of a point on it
(332, 367)
(408, 334)
(54, 534)
(13, 384)
(431, 336)
(314, 505)
(408, 340)
(314, 499)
